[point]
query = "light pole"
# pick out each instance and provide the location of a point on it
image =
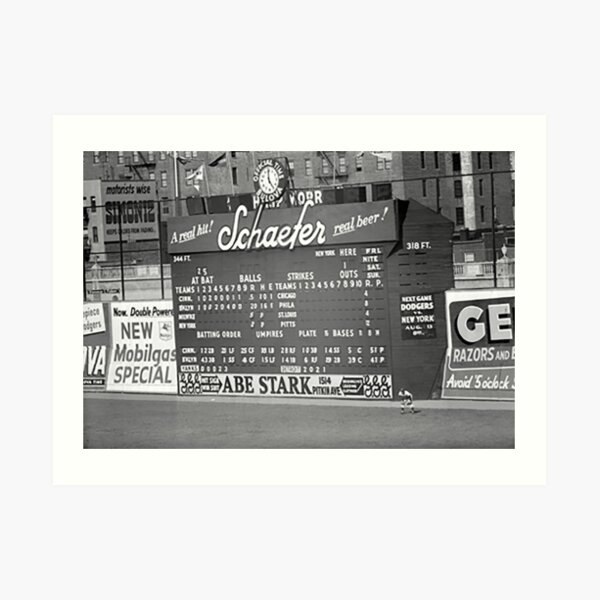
(493, 231)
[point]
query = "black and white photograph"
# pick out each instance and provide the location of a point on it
(325, 299)
(299, 236)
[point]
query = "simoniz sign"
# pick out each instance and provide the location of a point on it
(135, 204)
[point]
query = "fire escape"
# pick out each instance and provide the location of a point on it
(140, 168)
(328, 173)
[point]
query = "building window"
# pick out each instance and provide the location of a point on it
(291, 167)
(163, 156)
(106, 156)
(136, 156)
(343, 167)
(163, 179)
(380, 163)
(456, 162)
(469, 257)
(422, 160)
(479, 160)
(460, 216)
(234, 175)
(187, 154)
(387, 164)
(151, 156)
(480, 181)
(96, 157)
(325, 166)
(382, 191)
(308, 167)
(95, 234)
(482, 213)
(120, 157)
(424, 187)
(436, 160)
(152, 175)
(233, 155)
(93, 205)
(458, 191)
(194, 153)
(359, 163)
(188, 173)
(490, 159)
(166, 209)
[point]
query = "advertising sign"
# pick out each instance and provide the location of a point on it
(103, 290)
(93, 318)
(309, 225)
(480, 360)
(95, 346)
(136, 202)
(143, 347)
(355, 387)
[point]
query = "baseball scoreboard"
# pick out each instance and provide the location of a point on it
(301, 309)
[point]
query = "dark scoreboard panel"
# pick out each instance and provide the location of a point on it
(320, 300)
(284, 302)
(313, 321)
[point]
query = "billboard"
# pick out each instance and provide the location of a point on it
(92, 200)
(143, 347)
(287, 228)
(136, 202)
(480, 358)
(95, 345)
(370, 386)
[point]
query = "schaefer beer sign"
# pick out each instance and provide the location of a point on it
(480, 360)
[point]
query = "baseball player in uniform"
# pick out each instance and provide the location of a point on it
(406, 400)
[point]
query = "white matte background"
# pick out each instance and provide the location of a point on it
(299, 542)
(73, 464)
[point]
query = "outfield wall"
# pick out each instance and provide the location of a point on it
(130, 346)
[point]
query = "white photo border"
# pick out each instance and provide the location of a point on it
(524, 465)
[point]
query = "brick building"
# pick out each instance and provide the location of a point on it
(456, 184)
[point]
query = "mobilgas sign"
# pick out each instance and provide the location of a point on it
(480, 361)
(289, 228)
(143, 347)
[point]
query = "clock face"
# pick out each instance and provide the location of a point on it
(268, 180)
